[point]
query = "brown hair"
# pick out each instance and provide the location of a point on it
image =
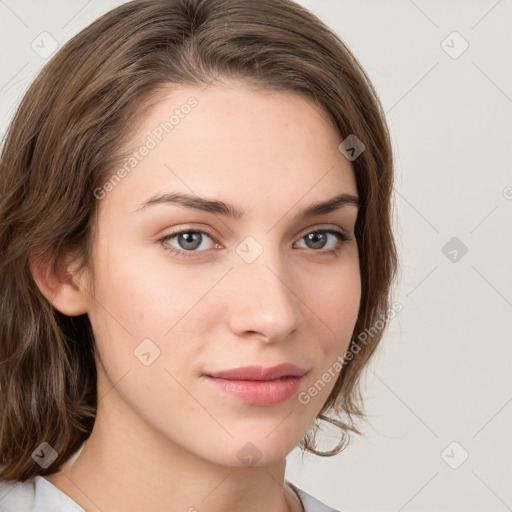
(66, 138)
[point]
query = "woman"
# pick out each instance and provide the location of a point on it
(195, 226)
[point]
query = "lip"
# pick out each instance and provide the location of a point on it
(260, 372)
(256, 385)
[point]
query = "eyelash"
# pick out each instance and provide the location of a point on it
(341, 236)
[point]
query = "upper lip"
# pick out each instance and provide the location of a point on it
(260, 372)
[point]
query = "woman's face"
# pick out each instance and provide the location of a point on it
(268, 286)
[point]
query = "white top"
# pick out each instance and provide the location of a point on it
(39, 495)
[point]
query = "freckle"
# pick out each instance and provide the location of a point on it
(142, 315)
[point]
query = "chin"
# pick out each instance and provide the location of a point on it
(242, 452)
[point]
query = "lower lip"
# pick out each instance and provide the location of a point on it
(259, 392)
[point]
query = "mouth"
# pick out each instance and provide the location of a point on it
(259, 386)
(260, 373)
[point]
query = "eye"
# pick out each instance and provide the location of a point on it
(319, 239)
(189, 241)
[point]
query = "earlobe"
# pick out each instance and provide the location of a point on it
(63, 287)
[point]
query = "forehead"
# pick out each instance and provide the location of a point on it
(233, 143)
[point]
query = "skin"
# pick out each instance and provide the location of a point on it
(164, 439)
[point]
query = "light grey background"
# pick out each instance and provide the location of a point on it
(442, 374)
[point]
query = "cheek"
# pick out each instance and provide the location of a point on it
(335, 303)
(335, 297)
(141, 297)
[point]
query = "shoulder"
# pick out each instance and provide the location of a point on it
(34, 495)
(310, 503)
(17, 495)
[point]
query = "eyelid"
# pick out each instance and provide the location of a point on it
(186, 229)
(325, 227)
(305, 231)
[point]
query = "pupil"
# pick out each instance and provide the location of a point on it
(318, 239)
(191, 240)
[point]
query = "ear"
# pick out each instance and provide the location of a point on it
(65, 288)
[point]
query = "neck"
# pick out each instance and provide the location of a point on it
(134, 468)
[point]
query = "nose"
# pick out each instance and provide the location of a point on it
(263, 302)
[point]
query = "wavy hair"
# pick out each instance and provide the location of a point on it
(67, 137)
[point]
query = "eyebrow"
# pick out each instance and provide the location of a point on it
(221, 208)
